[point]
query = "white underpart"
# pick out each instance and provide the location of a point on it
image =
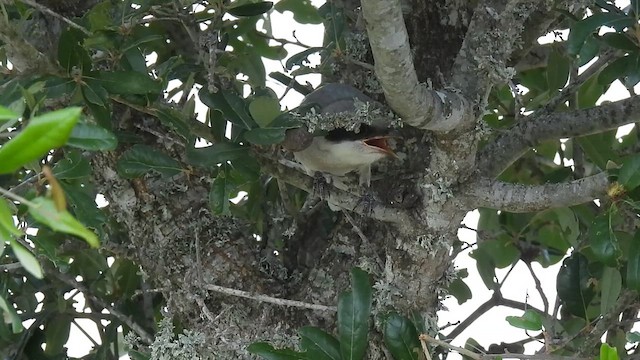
(339, 158)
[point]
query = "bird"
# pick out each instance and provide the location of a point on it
(339, 151)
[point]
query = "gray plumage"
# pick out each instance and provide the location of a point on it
(341, 152)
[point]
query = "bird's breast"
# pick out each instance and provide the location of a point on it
(337, 158)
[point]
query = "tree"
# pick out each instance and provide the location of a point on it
(184, 273)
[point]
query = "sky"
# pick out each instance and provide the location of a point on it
(519, 286)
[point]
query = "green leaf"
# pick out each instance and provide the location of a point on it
(88, 136)
(558, 70)
(582, 29)
(590, 49)
(41, 134)
(301, 57)
(265, 136)
(574, 284)
(7, 114)
(611, 284)
(219, 195)
(615, 70)
(486, 267)
(94, 93)
(71, 53)
(459, 289)
(603, 240)
(318, 344)
(11, 315)
(73, 166)
(633, 264)
(354, 309)
(629, 174)
(530, 320)
(175, 120)
(264, 109)
(633, 337)
(212, 156)
(266, 351)
(608, 353)
(44, 210)
(250, 63)
(56, 331)
(253, 9)
(141, 159)
(6, 219)
(98, 17)
(590, 92)
(274, 133)
(126, 82)
(599, 147)
(231, 105)
(81, 198)
(619, 41)
(401, 338)
(26, 258)
(303, 11)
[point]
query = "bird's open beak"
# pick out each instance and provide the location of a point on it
(380, 143)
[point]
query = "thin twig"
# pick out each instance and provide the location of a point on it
(15, 197)
(205, 310)
(362, 236)
(424, 338)
(146, 337)
(425, 349)
(361, 64)
(268, 299)
(575, 84)
(545, 301)
(11, 267)
(95, 344)
(45, 9)
(286, 199)
(476, 356)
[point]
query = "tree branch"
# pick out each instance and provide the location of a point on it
(515, 142)
(341, 198)
(527, 198)
(607, 321)
(418, 107)
(268, 299)
(488, 45)
(139, 330)
(496, 300)
(46, 10)
(478, 356)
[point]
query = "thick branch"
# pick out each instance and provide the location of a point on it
(527, 198)
(515, 142)
(419, 107)
(488, 45)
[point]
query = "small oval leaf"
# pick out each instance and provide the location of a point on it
(92, 137)
(141, 159)
(401, 338)
(26, 258)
